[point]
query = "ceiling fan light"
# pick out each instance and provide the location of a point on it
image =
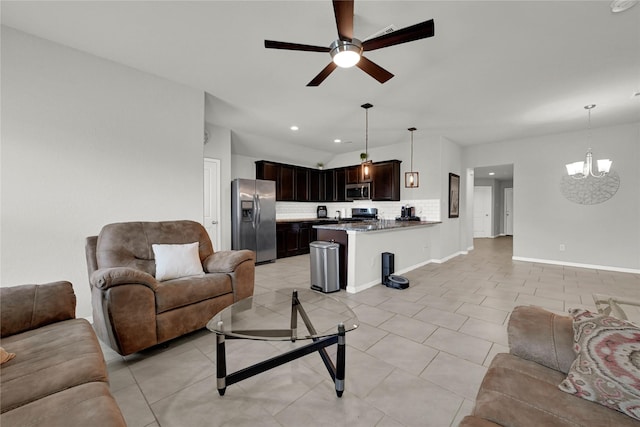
(346, 59)
(346, 54)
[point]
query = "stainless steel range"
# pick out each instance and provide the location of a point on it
(364, 214)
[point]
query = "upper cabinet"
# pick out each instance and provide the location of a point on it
(353, 174)
(267, 170)
(287, 183)
(301, 184)
(317, 188)
(386, 181)
(329, 181)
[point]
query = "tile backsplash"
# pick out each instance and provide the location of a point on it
(427, 210)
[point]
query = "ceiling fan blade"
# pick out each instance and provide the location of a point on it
(270, 44)
(323, 74)
(374, 70)
(408, 34)
(343, 10)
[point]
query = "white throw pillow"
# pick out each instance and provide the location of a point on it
(174, 261)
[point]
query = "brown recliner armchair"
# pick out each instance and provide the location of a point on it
(132, 310)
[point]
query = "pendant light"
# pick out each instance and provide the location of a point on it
(411, 179)
(366, 166)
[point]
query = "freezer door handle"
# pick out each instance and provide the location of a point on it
(256, 217)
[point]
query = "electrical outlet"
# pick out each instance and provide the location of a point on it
(562, 247)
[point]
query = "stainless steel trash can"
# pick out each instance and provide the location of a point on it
(324, 266)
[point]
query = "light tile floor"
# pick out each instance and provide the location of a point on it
(416, 360)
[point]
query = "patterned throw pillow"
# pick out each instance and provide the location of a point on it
(607, 366)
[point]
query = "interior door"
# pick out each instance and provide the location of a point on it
(508, 211)
(211, 220)
(482, 215)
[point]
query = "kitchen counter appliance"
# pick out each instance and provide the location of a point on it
(358, 191)
(253, 217)
(408, 213)
(364, 214)
(321, 211)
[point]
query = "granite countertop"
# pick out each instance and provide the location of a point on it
(383, 224)
(286, 220)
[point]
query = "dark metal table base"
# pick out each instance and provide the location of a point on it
(319, 344)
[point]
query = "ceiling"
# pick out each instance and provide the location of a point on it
(498, 172)
(495, 70)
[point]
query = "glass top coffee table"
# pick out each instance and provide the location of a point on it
(274, 316)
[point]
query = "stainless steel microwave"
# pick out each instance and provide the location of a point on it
(358, 191)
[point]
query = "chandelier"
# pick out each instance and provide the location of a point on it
(584, 169)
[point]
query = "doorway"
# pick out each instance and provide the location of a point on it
(500, 178)
(211, 217)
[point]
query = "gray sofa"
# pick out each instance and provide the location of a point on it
(132, 310)
(58, 376)
(520, 389)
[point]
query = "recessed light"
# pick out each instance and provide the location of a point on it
(337, 141)
(491, 173)
(294, 128)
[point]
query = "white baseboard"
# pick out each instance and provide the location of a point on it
(579, 265)
(363, 286)
(447, 258)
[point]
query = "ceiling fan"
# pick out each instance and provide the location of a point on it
(347, 51)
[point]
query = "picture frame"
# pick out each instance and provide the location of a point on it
(454, 195)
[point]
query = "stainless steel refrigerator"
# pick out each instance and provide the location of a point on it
(253, 217)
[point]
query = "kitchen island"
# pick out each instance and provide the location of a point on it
(362, 245)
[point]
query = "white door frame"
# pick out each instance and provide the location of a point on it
(508, 211)
(211, 220)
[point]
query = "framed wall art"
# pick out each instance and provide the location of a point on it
(454, 195)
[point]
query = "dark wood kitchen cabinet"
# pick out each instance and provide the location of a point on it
(287, 183)
(302, 184)
(293, 238)
(340, 182)
(353, 174)
(386, 181)
(328, 179)
(267, 170)
(316, 185)
(283, 175)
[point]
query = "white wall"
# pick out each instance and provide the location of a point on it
(219, 147)
(86, 142)
(606, 234)
(243, 167)
(450, 240)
